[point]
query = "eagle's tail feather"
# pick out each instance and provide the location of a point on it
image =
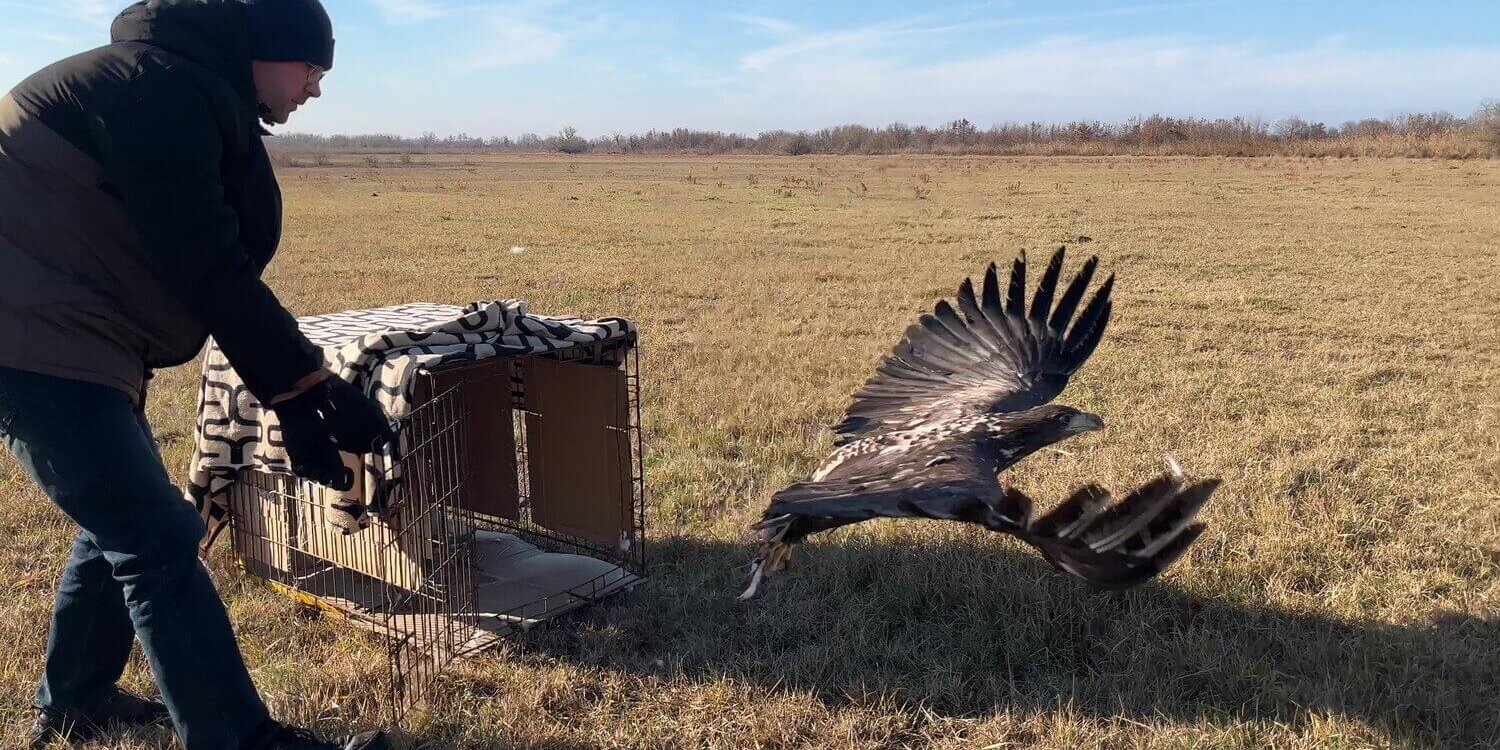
(1074, 514)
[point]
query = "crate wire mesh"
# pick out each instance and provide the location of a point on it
(411, 580)
(422, 574)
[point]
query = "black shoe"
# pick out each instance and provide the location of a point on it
(283, 737)
(120, 707)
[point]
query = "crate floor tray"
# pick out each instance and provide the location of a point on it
(517, 586)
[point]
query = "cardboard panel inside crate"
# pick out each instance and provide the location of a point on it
(490, 439)
(398, 548)
(578, 450)
(280, 532)
(262, 525)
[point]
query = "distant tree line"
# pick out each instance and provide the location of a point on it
(1435, 134)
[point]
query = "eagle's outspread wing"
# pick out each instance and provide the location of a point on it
(989, 355)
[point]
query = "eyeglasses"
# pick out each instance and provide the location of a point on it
(314, 74)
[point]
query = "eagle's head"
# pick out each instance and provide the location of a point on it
(1021, 434)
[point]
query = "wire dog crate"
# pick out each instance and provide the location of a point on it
(522, 497)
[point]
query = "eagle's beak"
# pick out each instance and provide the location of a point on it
(1085, 422)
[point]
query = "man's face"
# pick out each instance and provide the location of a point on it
(284, 86)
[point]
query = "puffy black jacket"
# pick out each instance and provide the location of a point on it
(138, 207)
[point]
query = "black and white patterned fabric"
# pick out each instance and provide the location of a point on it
(380, 350)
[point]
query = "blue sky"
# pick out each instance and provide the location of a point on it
(504, 68)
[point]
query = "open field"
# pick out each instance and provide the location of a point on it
(1324, 335)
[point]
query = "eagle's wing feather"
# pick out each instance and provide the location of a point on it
(949, 479)
(990, 354)
(831, 503)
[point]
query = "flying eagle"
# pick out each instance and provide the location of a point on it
(963, 397)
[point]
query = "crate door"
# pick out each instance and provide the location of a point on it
(578, 450)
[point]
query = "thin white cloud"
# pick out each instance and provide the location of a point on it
(1115, 12)
(93, 11)
(929, 26)
(763, 23)
(401, 12)
(855, 38)
(537, 31)
(512, 41)
(84, 15)
(70, 40)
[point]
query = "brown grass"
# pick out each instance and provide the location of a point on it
(1322, 334)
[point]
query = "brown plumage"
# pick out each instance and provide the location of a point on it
(966, 395)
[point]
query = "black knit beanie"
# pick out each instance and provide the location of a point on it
(290, 30)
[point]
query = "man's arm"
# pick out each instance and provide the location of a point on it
(160, 146)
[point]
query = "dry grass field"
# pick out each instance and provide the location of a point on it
(1323, 334)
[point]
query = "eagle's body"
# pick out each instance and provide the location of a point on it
(964, 396)
(921, 443)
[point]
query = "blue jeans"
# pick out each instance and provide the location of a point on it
(134, 571)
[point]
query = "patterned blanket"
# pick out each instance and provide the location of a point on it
(380, 350)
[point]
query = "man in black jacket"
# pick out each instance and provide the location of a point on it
(137, 212)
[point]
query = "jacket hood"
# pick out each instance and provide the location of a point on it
(212, 33)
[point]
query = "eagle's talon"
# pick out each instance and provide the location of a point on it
(757, 571)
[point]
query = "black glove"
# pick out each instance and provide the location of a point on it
(357, 423)
(329, 417)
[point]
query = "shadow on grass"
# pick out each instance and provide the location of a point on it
(962, 628)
